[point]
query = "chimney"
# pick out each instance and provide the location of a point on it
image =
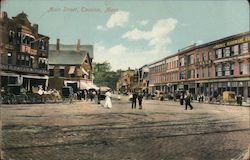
(78, 45)
(35, 26)
(58, 44)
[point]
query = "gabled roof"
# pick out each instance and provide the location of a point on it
(72, 47)
(67, 57)
(22, 18)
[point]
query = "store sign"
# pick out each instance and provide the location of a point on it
(25, 49)
(233, 42)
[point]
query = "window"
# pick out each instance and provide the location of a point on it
(197, 73)
(241, 68)
(227, 51)
(209, 55)
(189, 74)
(208, 71)
(203, 72)
(22, 59)
(245, 48)
(9, 58)
(61, 72)
(223, 69)
(183, 75)
(218, 53)
(27, 62)
(216, 70)
(197, 58)
(235, 50)
(11, 36)
(182, 61)
(191, 59)
(249, 66)
(232, 69)
(51, 72)
(241, 49)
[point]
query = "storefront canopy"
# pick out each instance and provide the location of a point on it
(72, 70)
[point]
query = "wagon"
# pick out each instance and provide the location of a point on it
(14, 94)
(67, 93)
(229, 97)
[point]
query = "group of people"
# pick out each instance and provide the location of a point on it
(134, 98)
(187, 97)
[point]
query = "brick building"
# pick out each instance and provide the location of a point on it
(209, 69)
(24, 53)
(126, 82)
(70, 65)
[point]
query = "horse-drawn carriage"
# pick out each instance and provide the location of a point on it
(17, 94)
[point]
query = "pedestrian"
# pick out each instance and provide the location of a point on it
(182, 98)
(108, 102)
(188, 100)
(140, 97)
(134, 97)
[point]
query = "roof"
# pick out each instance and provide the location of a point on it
(72, 47)
(67, 57)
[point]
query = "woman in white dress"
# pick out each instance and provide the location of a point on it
(108, 102)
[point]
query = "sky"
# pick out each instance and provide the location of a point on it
(132, 33)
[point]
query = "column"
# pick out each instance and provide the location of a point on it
(245, 93)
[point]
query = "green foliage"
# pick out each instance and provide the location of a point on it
(103, 76)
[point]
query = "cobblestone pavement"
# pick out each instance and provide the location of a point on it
(160, 131)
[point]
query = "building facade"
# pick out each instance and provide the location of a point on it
(209, 69)
(70, 66)
(127, 82)
(24, 53)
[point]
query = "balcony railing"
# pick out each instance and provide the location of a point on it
(23, 69)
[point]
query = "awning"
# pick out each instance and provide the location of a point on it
(8, 74)
(72, 70)
(85, 72)
(35, 77)
(104, 88)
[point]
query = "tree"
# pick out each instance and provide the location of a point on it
(104, 76)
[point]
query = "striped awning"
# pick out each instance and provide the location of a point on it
(72, 70)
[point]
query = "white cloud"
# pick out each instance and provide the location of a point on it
(157, 37)
(101, 28)
(122, 57)
(119, 18)
(143, 22)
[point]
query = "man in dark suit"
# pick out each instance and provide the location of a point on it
(134, 100)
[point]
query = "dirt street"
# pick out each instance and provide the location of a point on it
(160, 131)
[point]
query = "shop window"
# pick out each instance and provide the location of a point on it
(9, 58)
